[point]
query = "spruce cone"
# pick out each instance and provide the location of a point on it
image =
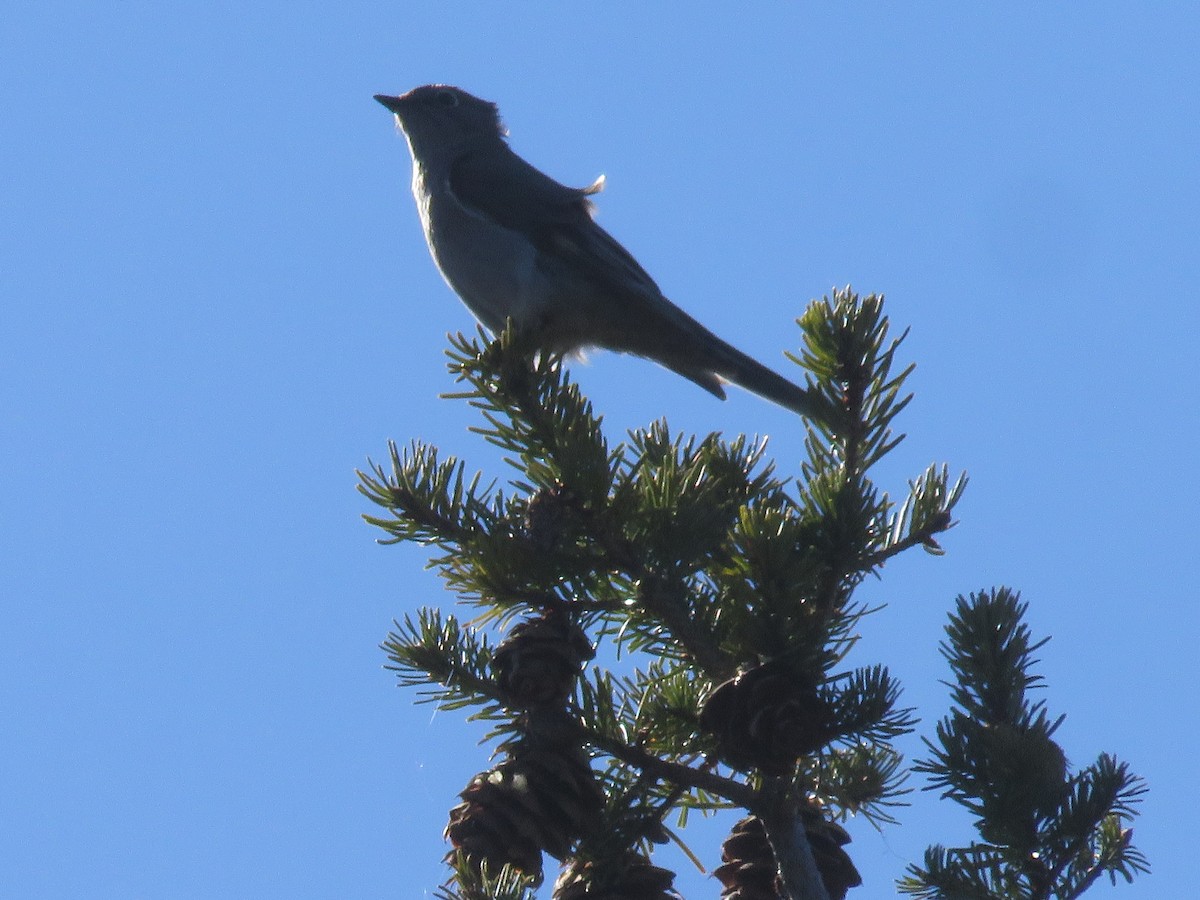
(541, 658)
(632, 878)
(826, 840)
(1026, 779)
(765, 718)
(538, 800)
(548, 515)
(750, 872)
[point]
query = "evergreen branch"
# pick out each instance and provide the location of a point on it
(684, 776)
(783, 590)
(667, 601)
(1049, 835)
(605, 706)
(917, 538)
(692, 550)
(990, 651)
(657, 706)
(534, 411)
(430, 501)
(926, 513)
(433, 652)
(474, 880)
(861, 779)
(1115, 854)
(667, 698)
(864, 706)
(845, 339)
(973, 873)
(772, 802)
(680, 499)
(1087, 834)
(633, 814)
(662, 600)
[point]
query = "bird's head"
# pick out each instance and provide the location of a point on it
(443, 117)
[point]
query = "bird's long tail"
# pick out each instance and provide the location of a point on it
(723, 361)
(700, 356)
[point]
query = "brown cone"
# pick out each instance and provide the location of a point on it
(749, 870)
(539, 800)
(632, 878)
(539, 660)
(766, 718)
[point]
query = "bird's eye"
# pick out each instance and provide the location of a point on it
(447, 98)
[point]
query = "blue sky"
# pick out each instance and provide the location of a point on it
(217, 304)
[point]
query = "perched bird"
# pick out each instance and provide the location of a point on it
(514, 243)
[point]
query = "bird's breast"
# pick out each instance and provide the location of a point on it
(491, 268)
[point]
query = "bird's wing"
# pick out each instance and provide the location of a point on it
(635, 316)
(557, 219)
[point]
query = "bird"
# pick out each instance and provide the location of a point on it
(515, 244)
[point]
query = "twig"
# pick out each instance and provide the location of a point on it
(675, 773)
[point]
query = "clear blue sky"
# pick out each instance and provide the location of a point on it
(215, 303)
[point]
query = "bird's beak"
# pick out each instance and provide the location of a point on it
(395, 104)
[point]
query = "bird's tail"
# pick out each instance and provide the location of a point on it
(652, 326)
(700, 356)
(724, 361)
